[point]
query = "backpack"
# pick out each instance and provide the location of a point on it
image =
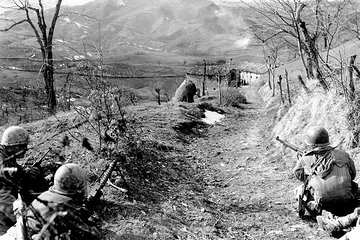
(330, 183)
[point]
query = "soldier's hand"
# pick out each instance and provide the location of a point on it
(18, 207)
(35, 237)
(33, 172)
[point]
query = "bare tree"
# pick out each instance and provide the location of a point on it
(299, 25)
(353, 19)
(35, 16)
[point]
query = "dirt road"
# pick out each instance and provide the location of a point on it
(249, 183)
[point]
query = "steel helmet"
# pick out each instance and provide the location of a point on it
(14, 136)
(70, 179)
(317, 137)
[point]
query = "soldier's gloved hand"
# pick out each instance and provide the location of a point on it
(49, 178)
(18, 207)
(33, 172)
(35, 237)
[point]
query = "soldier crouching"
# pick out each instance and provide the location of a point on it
(57, 213)
(14, 144)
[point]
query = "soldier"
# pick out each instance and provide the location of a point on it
(327, 175)
(14, 143)
(58, 213)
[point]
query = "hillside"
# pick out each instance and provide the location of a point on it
(184, 178)
(176, 28)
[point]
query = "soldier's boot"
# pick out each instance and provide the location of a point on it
(350, 219)
(335, 225)
(328, 224)
(301, 207)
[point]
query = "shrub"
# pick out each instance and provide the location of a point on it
(233, 98)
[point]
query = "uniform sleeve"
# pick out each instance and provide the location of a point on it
(33, 181)
(299, 170)
(352, 168)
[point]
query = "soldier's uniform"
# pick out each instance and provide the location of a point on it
(13, 146)
(328, 176)
(56, 213)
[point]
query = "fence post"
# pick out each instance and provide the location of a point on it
(268, 65)
(203, 83)
(219, 86)
(280, 89)
(303, 84)
(287, 84)
(273, 80)
(157, 90)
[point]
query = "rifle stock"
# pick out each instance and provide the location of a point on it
(292, 147)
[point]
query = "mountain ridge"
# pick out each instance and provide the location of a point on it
(180, 27)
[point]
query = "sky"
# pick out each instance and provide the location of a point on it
(75, 2)
(80, 2)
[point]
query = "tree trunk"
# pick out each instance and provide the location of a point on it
(311, 45)
(49, 80)
(310, 68)
(351, 77)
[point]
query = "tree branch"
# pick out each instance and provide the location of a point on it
(13, 25)
(298, 11)
(53, 23)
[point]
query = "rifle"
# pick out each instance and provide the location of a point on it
(38, 162)
(15, 155)
(292, 147)
(97, 192)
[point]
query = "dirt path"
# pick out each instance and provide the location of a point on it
(248, 181)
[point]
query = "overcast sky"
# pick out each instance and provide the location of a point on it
(75, 2)
(80, 2)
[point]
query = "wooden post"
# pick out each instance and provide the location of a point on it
(219, 86)
(287, 85)
(157, 90)
(351, 78)
(273, 80)
(229, 73)
(269, 73)
(280, 89)
(203, 84)
(303, 84)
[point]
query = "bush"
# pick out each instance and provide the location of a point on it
(233, 98)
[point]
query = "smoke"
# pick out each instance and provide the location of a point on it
(242, 43)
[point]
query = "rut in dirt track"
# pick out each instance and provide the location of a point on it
(247, 179)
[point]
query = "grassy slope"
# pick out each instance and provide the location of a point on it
(328, 109)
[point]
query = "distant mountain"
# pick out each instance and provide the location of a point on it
(185, 27)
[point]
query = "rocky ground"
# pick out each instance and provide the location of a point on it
(249, 180)
(234, 181)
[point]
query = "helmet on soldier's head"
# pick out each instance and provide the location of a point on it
(14, 136)
(70, 179)
(317, 137)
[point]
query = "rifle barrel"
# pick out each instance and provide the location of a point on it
(40, 159)
(296, 149)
